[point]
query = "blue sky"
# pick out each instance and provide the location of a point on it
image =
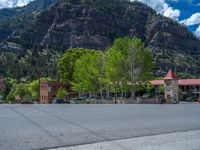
(184, 11)
(187, 9)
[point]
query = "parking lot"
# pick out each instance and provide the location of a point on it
(26, 127)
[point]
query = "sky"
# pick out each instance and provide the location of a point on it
(185, 11)
(13, 3)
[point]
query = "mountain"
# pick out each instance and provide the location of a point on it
(14, 19)
(31, 7)
(95, 24)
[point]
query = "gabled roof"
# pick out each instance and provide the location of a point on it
(170, 75)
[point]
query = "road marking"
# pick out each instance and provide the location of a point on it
(48, 133)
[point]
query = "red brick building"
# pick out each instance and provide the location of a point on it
(48, 90)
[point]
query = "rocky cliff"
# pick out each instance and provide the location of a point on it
(96, 24)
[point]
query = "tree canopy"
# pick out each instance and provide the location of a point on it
(88, 73)
(62, 93)
(67, 63)
(128, 62)
(125, 63)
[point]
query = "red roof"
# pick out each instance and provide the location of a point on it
(189, 82)
(183, 82)
(170, 75)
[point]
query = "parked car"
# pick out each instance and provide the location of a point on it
(80, 98)
(109, 98)
(199, 100)
(91, 99)
(147, 95)
(60, 101)
(175, 102)
(191, 99)
(26, 102)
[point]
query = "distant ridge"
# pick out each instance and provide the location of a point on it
(95, 24)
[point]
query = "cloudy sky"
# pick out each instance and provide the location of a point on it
(12, 3)
(184, 11)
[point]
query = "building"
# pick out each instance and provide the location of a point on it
(48, 90)
(176, 89)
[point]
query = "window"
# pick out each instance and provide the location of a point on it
(50, 89)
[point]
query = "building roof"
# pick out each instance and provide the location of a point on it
(170, 75)
(183, 82)
(189, 82)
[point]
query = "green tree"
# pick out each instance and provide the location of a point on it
(162, 90)
(33, 88)
(10, 97)
(61, 94)
(67, 62)
(89, 72)
(22, 90)
(128, 64)
(150, 88)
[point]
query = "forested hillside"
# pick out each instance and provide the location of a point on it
(93, 24)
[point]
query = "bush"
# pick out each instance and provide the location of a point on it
(61, 94)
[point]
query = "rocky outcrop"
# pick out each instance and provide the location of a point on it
(80, 24)
(77, 24)
(95, 24)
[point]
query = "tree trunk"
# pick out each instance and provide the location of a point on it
(90, 95)
(107, 91)
(115, 95)
(133, 94)
(79, 94)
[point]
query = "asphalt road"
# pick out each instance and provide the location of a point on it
(25, 127)
(173, 141)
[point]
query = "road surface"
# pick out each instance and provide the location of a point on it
(27, 127)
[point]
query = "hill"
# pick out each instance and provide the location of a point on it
(96, 24)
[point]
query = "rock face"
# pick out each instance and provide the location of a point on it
(95, 24)
(80, 24)
(16, 19)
